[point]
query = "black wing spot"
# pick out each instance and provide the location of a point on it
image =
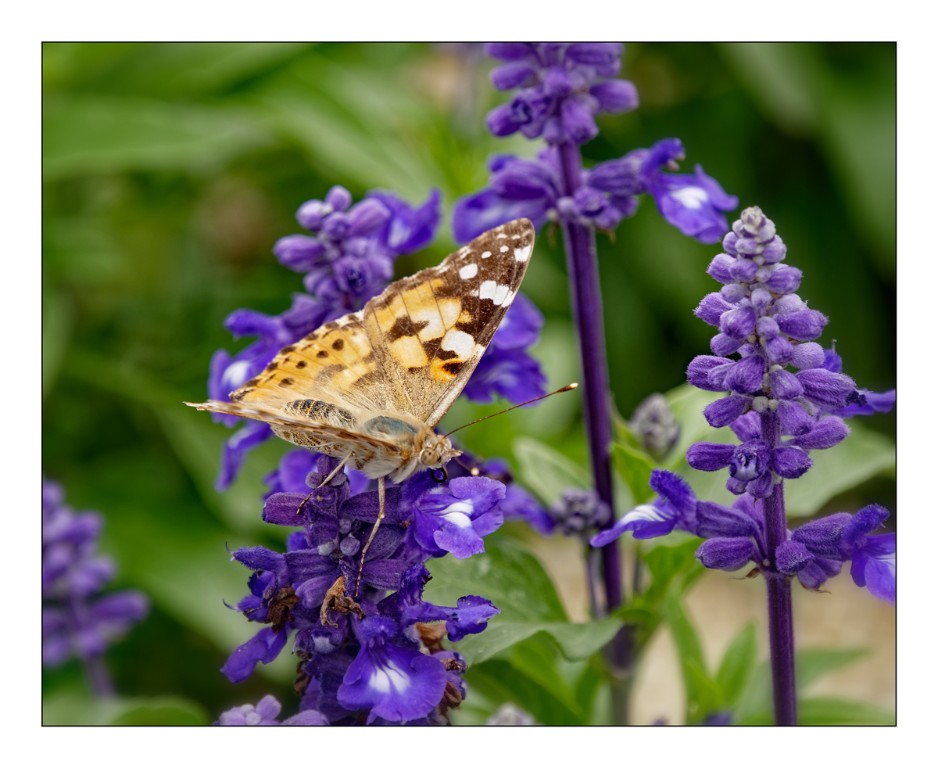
(404, 326)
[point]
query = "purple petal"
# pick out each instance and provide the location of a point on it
(615, 96)
(710, 457)
(727, 554)
(263, 648)
(394, 683)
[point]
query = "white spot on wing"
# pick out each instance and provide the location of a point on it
(503, 249)
(469, 271)
(486, 254)
(459, 342)
(522, 254)
(487, 289)
(501, 293)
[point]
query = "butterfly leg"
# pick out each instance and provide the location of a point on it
(371, 536)
(328, 479)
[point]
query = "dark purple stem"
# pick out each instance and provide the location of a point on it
(781, 625)
(583, 269)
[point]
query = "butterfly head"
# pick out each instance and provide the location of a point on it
(436, 450)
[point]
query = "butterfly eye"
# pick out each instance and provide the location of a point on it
(440, 474)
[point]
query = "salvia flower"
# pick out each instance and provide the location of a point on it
(837, 538)
(265, 713)
(580, 511)
(560, 88)
(674, 508)
(608, 194)
(655, 426)
(781, 391)
(368, 650)
(77, 620)
(860, 402)
(778, 376)
(735, 537)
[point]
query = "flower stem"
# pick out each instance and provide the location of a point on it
(781, 624)
(582, 265)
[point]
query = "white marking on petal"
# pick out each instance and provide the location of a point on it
(236, 374)
(459, 342)
(522, 254)
(458, 513)
(690, 197)
(387, 678)
(645, 512)
(469, 271)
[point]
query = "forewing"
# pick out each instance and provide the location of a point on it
(334, 364)
(428, 331)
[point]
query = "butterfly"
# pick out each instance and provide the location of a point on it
(369, 388)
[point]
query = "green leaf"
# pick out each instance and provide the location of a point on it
(634, 467)
(56, 331)
(755, 702)
(836, 711)
(813, 663)
(546, 472)
(507, 574)
(738, 664)
(520, 588)
(672, 567)
(700, 690)
(574, 641)
(111, 134)
(780, 79)
(71, 709)
(500, 681)
(863, 455)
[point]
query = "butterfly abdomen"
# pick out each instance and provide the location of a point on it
(321, 411)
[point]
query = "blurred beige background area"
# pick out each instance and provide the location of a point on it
(720, 604)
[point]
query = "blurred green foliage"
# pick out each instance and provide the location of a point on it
(171, 169)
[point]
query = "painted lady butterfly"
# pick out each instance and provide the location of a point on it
(370, 387)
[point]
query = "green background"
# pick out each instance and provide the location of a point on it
(169, 170)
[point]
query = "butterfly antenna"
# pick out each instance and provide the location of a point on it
(567, 388)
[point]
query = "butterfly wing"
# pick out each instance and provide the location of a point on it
(334, 364)
(409, 353)
(429, 331)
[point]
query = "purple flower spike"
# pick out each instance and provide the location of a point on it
(563, 87)
(77, 620)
